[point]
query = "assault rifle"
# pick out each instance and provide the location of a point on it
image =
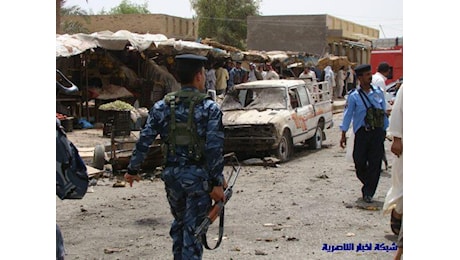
(217, 209)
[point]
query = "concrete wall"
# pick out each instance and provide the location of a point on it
(303, 33)
(171, 26)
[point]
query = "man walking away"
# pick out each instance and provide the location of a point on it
(366, 107)
(193, 151)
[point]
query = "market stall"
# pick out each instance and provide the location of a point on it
(135, 68)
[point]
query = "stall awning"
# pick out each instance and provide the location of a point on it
(69, 45)
(172, 45)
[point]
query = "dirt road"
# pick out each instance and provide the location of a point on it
(303, 209)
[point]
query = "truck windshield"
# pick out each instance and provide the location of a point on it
(255, 98)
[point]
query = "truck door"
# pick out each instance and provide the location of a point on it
(300, 112)
(308, 110)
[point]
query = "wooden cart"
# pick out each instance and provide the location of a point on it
(122, 143)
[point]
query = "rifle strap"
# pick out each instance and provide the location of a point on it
(221, 233)
(361, 94)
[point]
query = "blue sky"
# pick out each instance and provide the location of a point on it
(386, 16)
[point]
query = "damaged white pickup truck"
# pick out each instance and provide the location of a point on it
(269, 117)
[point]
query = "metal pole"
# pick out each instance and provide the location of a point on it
(85, 94)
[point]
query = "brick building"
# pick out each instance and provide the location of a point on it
(313, 34)
(170, 26)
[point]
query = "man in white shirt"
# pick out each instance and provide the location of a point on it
(271, 74)
(340, 82)
(261, 70)
(307, 73)
(380, 77)
(210, 79)
(378, 80)
(329, 76)
(253, 73)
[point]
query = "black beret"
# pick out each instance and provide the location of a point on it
(191, 57)
(360, 69)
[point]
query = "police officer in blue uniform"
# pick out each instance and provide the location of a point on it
(368, 149)
(191, 182)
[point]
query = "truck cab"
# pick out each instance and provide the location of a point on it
(269, 117)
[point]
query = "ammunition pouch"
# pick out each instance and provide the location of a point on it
(374, 118)
(184, 134)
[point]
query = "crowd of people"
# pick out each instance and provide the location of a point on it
(223, 75)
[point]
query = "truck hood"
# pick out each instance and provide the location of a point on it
(252, 117)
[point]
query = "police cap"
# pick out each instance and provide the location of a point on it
(360, 69)
(190, 61)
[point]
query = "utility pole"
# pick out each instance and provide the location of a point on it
(381, 29)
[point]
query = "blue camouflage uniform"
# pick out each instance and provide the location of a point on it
(187, 183)
(368, 148)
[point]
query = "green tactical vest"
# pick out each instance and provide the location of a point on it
(184, 133)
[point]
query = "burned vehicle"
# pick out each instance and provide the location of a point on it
(269, 117)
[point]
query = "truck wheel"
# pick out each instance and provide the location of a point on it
(316, 141)
(284, 150)
(99, 157)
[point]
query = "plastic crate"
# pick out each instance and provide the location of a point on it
(119, 122)
(67, 124)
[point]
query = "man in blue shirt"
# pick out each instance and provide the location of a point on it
(231, 74)
(237, 75)
(368, 149)
(191, 181)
